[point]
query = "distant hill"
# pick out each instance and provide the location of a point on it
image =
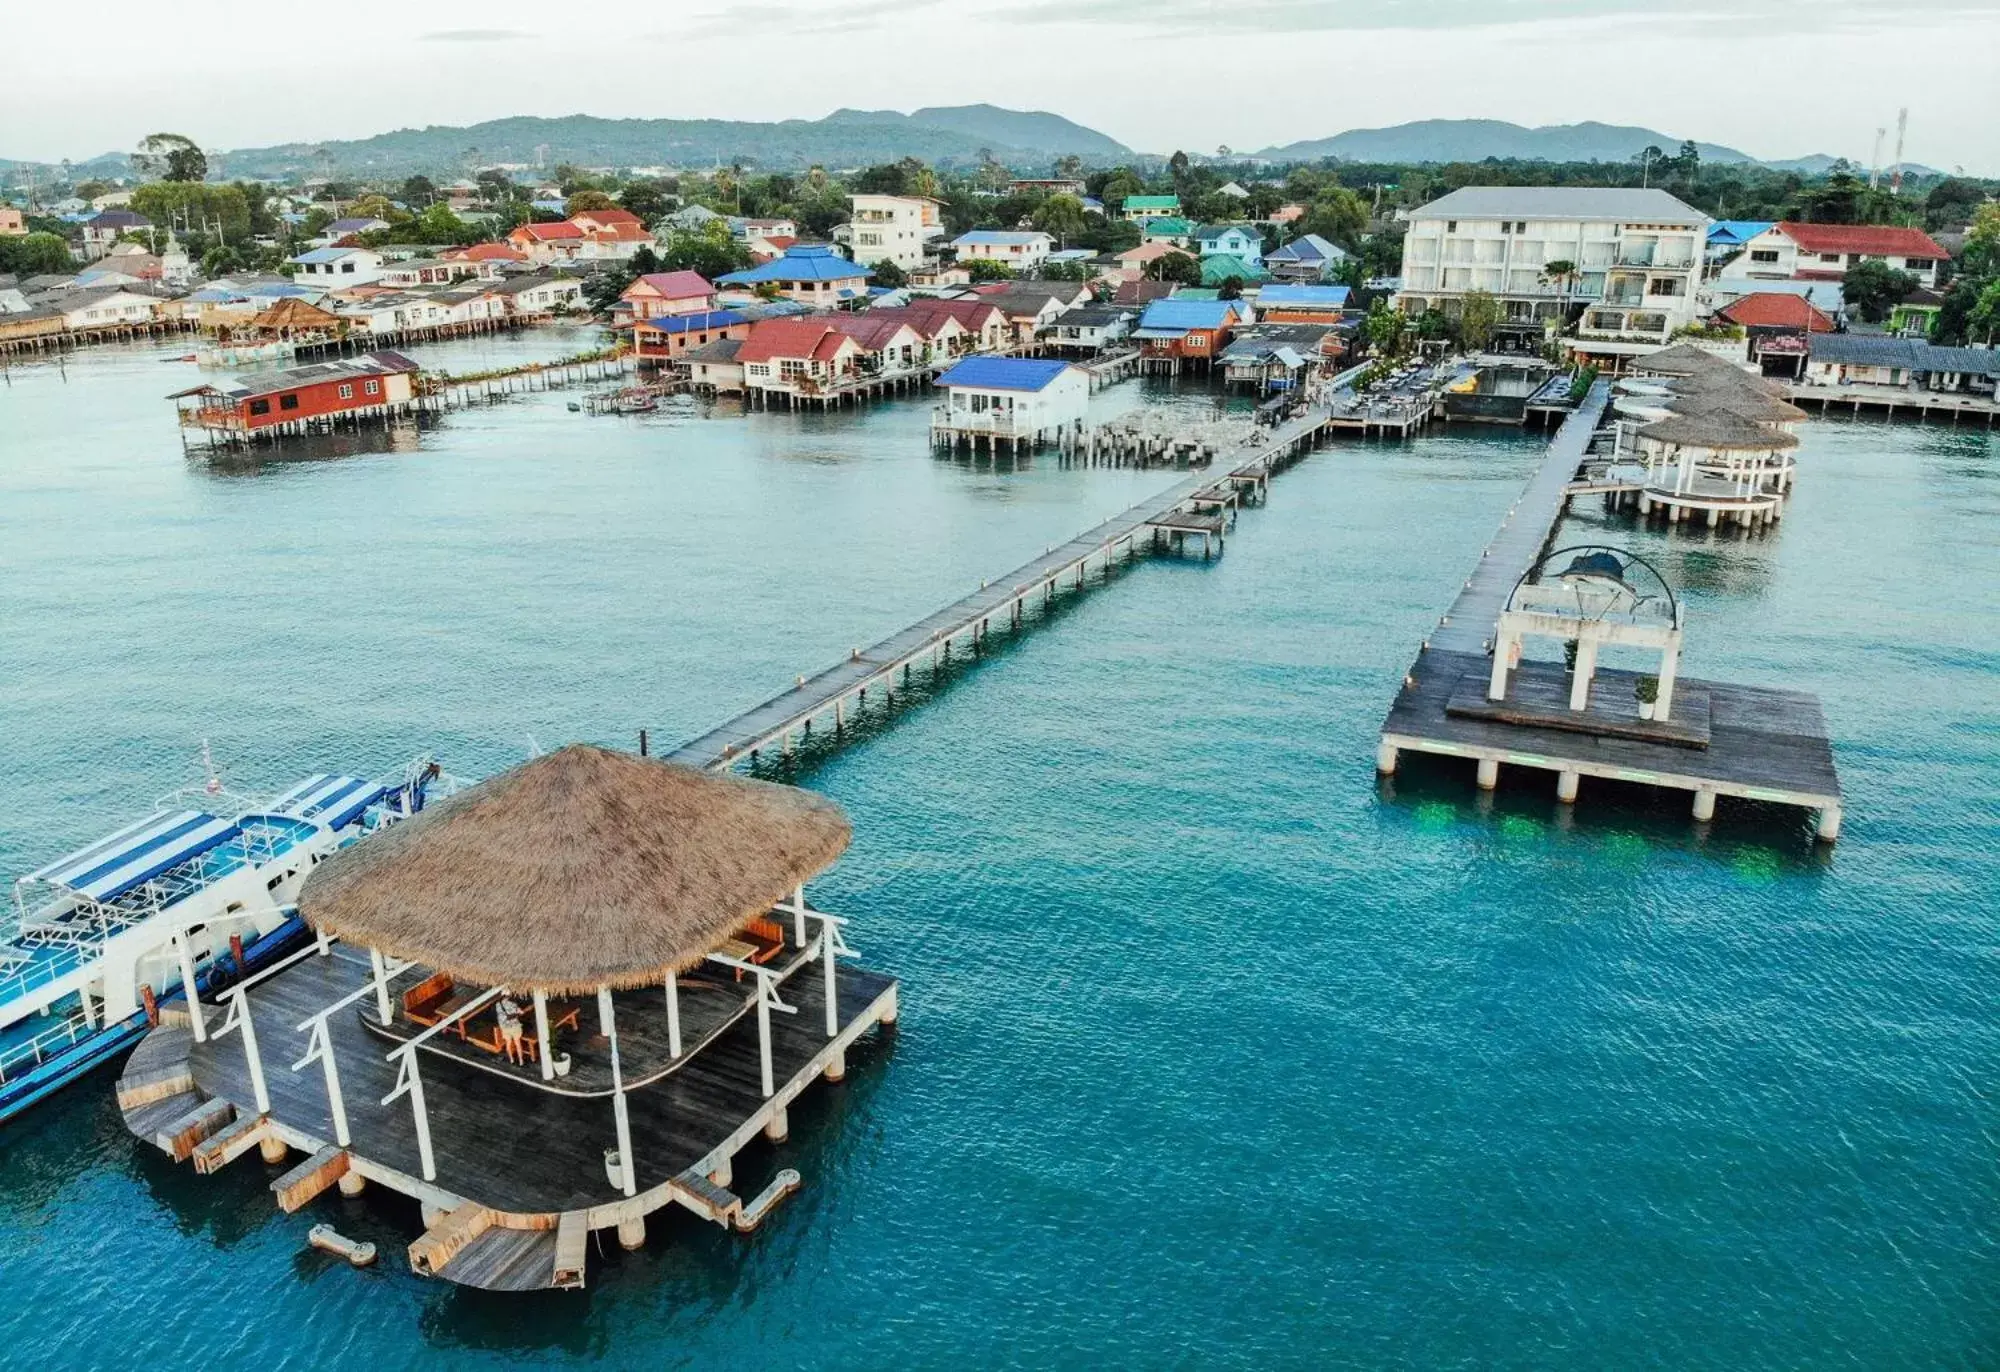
(846, 138)
(1475, 140)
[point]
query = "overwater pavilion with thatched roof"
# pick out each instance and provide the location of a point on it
(556, 1002)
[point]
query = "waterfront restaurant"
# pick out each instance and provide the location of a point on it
(553, 1003)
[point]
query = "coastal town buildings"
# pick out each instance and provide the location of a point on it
(1141, 207)
(103, 230)
(1635, 260)
(337, 268)
(1020, 401)
(668, 293)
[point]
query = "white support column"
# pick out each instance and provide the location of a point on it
(319, 1048)
(1670, 663)
(619, 1109)
(828, 948)
(799, 915)
(384, 1010)
(422, 1115)
(197, 1017)
(1586, 668)
(248, 1028)
(545, 1050)
(673, 1014)
(764, 1034)
(1503, 659)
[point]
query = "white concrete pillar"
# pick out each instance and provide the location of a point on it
(197, 1017)
(271, 1149)
(779, 1127)
(1670, 666)
(673, 1014)
(836, 1066)
(1504, 644)
(632, 1233)
(724, 1174)
(352, 1183)
(1586, 668)
(384, 1009)
(544, 1049)
(1385, 758)
(1489, 773)
(1828, 828)
(1566, 786)
(1704, 804)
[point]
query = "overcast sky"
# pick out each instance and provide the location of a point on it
(1774, 78)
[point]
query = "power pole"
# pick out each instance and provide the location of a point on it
(1875, 161)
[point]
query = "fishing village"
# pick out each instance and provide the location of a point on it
(728, 732)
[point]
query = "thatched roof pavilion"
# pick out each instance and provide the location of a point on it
(1683, 359)
(1719, 429)
(1699, 395)
(579, 870)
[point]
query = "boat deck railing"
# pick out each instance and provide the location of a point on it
(18, 1059)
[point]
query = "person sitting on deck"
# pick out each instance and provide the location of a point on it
(508, 1013)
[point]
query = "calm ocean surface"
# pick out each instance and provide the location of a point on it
(1214, 1051)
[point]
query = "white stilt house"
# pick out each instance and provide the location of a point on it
(1593, 597)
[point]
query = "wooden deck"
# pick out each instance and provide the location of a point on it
(527, 1161)
(1758, 743)
(834, 690)
(1763, 743)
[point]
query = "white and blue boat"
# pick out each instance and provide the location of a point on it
(203, 890)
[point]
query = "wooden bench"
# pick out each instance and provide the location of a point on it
(424, 1003)
(767, 935)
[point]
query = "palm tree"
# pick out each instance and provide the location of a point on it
(1560, 273)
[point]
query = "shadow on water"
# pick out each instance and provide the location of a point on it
(403, 436)
(1752, 836)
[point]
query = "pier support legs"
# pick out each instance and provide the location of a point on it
(836, 1067)
(271, 1149)
(1385, 758)
(779, 1128)
(352, 1183)
(1828, 828)
(725, 1174)
(632, 1233)
(1704, 805)
(1489, 773)
(1566, 786)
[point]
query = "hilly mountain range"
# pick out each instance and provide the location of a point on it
(952, 136)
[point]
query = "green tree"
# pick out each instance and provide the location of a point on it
(195, 207)
(1064, 271)
(589, 200)
(984, 269)
(1177, 267)
(439, 225)
(33, 254)
(1338, 215)
(418, 191)
(1177, 166)
(170, 157)
(888, 273)
(1386, 330)
(708, 250)
(1982, 321)
(1478, 315)
(1872, 288)
(1061, 218)
(647, 199)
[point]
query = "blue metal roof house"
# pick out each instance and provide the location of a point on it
(1172, 317)
(810, 273)
(1020, 401)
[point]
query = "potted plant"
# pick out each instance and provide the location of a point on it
(1647, 688)
(1569, 655)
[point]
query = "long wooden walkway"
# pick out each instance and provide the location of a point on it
(1524, 533)
(843, 686)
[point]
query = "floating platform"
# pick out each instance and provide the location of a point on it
(521, 1176)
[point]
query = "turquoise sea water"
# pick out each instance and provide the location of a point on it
(1215, 1050)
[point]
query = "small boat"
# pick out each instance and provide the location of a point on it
(185, 357)
(197, 891)
(574, 406)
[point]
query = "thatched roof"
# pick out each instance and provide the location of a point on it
(293, 313)
(581, 868)
(1682, 359)
(1698, 395)
(1718, 429)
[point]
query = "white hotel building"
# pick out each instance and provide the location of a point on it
(1637, 253)
(892, 228)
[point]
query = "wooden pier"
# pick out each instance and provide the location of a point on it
(1194, 508)
(1898, 402)
(1756, 743)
